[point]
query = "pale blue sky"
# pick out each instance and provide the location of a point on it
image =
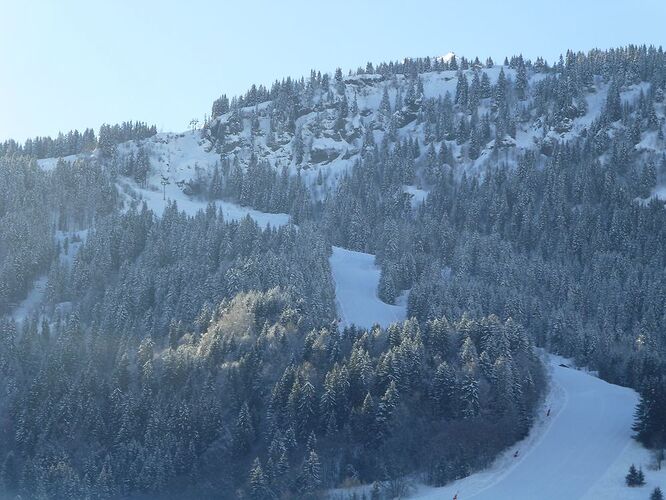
(74, 64)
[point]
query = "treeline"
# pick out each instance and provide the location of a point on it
(633, 63)
(408, 66)
(258, 185)
(75, 142)
(250, 401)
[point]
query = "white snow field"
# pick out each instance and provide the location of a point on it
(356, 278)
(179, 157)
(157, 201)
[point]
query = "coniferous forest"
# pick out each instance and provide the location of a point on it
(512, 205)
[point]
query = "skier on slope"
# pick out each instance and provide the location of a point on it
(548, 412)
(515, 455)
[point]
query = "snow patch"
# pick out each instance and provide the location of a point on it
(446, 57)
(48, 164)
(356, 278)
(177, 159)
(418, 195)
(31, 304)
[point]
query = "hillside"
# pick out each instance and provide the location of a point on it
(342, 280)
(580, 446)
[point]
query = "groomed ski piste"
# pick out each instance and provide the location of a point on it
(569, 453)
(582, 450)
(356, 277)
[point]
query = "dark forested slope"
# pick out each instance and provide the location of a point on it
(194, 353)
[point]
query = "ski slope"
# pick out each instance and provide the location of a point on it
(567, 453)
(582, 450)
(356, 278)
(179, 158)
(156, 200)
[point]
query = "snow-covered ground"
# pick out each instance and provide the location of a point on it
(356, 278)
(178, 158)
(569, 454)
(32, 302)
(34, 299)
(611, 485)
(157, 201)
(75, 239)
(659, 192)
(418, 195)
(582, 450)
(50, 163)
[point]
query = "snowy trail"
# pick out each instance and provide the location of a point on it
(582, 450)
(566, 454)
(356, 278)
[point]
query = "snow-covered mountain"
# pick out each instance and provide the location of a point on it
(332, 120)
(293, 235)
(318, 127)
